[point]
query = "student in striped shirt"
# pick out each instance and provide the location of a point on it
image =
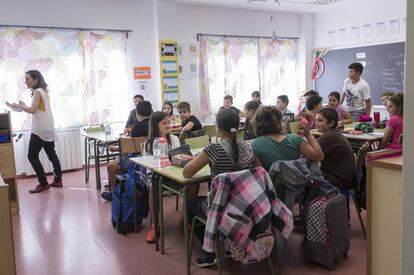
(228, 155)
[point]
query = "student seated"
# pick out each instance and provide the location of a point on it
(189, 123)
(133, 115)
(343, 116)
(169, 110)
(281, 104)
(385, 97)
(140, 129)
(395, 125)
(273, 144)
(228, 155)
(228, 104)
(249, 111)
(159, 126)
(339, 171)
(313, 106)
(256, 97)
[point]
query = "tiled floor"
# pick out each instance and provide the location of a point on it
(68, 231)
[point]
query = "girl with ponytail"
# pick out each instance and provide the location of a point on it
(394, 127)
(228, 155)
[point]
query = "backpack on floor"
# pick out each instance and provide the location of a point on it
(326, 226)
(129, 202)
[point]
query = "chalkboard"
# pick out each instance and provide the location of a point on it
(383, 69)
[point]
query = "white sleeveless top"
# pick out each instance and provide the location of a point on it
(42, 121)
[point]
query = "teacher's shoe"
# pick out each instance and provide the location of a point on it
(56, 183)
(40, 188)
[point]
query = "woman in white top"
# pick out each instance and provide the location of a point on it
(159, 126)
(43, 133)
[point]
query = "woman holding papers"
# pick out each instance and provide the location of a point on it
(43, 133)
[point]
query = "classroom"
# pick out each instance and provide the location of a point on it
(206, 137)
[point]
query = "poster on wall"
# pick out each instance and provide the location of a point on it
(142, 73)
(169, 71)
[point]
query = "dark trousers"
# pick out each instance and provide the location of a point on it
(35, 146)
(345, 192)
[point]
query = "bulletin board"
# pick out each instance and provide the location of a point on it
(170, 85)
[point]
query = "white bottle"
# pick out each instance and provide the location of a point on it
(156, 152)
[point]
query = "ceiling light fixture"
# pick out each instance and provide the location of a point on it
(256, 1)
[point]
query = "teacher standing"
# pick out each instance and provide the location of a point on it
(357, 93)
(43, 134)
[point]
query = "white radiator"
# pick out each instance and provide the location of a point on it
(68, 148)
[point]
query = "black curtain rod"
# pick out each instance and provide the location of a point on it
(66, 28)
(244, 36)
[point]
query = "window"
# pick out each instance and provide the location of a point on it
(237, 66)
(85, 71)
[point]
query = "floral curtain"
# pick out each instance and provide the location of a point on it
(85, 71)
(237, 66)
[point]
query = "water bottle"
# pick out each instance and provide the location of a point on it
(107, 129)
(156, 152)
(163, 145)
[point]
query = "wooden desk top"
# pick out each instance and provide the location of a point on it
(389, 163)
(176, 173)
(375, 136)
(101, 136)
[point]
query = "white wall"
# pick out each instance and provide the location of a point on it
(407, 263)
(182, 23)
(106, 14)
(358, 14)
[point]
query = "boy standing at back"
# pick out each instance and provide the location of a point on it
(356, 92)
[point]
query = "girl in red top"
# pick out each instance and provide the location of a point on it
(395, 125)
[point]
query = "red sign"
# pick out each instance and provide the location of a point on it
(142, 72)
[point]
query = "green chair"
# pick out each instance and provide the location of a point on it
(210, 130)
(197, 142)
(240, 134)
(294, 127)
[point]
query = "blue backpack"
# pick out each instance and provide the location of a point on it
(129, 210)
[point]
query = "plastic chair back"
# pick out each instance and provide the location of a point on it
(197, 142)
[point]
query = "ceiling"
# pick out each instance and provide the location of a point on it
(297, 6)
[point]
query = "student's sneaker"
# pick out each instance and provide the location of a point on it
(40, 188)
(206, 259)
(151, 235)
(107, 195)
(56, 183)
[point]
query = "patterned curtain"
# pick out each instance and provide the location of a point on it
(69, 60)
(237, 66)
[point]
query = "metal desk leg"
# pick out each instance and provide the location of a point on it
(155, 185)
(86, 161)
(161, 214)
(97, 162)
(187, 254)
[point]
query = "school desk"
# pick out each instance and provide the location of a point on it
(96, 140)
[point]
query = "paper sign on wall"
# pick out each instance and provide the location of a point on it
(142, 72)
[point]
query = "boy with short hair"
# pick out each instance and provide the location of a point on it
(281, 104)
(356, 92)
(133, 114)
(228, 104)
(189, 122)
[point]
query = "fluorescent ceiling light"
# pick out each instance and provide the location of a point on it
(256, 1)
